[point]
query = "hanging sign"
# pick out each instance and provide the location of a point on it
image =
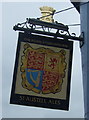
(42, 72)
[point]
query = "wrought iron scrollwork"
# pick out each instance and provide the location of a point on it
(31, 24)
(46, 28)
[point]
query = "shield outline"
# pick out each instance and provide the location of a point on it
(62, 68)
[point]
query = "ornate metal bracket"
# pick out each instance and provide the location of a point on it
(57, 30)
(82, 42)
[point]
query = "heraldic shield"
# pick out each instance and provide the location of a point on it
(43, 69)
(42, 72)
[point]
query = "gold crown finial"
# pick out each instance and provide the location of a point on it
(45, 10)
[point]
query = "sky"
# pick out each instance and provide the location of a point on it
(17, 12)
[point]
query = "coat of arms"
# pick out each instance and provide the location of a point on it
(42, 69)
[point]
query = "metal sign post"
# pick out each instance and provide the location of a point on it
(84, 13)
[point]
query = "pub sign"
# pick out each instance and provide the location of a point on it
(42, 72)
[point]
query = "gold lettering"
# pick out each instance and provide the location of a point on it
(27, 99)
(57, 101)
(39, 100)
(54, 101)
(21, 98)
(44, 100)
(33, 99)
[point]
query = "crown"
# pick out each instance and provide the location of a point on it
(47, 9)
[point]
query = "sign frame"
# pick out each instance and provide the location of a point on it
(38, 101)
